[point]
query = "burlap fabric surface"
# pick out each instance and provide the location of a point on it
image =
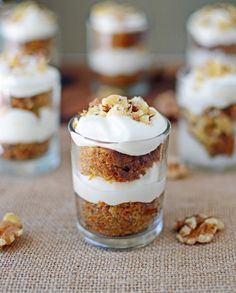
(51, 256)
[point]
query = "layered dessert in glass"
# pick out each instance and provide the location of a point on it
(30, 29)
(212, 34)
(119, 150)
(207, 129)
(29, 115)
(117, 45)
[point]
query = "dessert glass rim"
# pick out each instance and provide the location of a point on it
(163, 133)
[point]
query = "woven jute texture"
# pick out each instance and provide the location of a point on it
(51, 256)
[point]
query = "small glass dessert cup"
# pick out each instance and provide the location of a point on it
(29, 115)
(117, 46)
(212, 34)
(207, 128)
(119, 153)
(30, 29)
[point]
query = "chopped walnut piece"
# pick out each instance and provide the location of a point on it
(176, 169)
(10, 229)
(116, 105)
(197, 229)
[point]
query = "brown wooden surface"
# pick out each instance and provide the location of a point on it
(77, 93)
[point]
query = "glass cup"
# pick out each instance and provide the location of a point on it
(119, 60)
(29, 126)
(30, 29)
(119, 198)
(206, 138)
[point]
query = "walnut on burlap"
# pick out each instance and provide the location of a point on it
(51, 257)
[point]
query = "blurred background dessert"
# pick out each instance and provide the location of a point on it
(212, 34)
(29, 115)
(30, 28)
(207, 129)
(117, 45)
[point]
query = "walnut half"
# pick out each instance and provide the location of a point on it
(10, 229)
(198, 229)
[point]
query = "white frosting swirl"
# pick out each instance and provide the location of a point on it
(35, 23)
(145, 189)
(26, 80)
(121, 133)
(204, 27)
(112, 17)
(219, 92)
(20, 126)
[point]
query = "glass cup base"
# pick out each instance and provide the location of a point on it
(133, 241)
(49, 162)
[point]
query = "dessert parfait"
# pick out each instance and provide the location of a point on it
(119, 149)
(207, 130)
(30, 29)
(117, 44)
(212, 34)
(29, 115)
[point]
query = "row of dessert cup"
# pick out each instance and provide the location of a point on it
(116, 208)
(118, 155)
(118, 51)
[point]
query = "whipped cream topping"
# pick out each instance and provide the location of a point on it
(197, 93)
(132, 133)
(145, 189)
(20, 126)
(28, 22)
(214, 25)
(112, 17)
(119, 61)
(26, 76)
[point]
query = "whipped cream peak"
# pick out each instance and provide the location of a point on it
(28, 21)
(214, 25)
(113, 17)
(128, 126)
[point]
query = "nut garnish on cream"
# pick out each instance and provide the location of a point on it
(211, 85)
(213, 25)
(119, 120)
(136, 108)
(226, 16)
(214, 69)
